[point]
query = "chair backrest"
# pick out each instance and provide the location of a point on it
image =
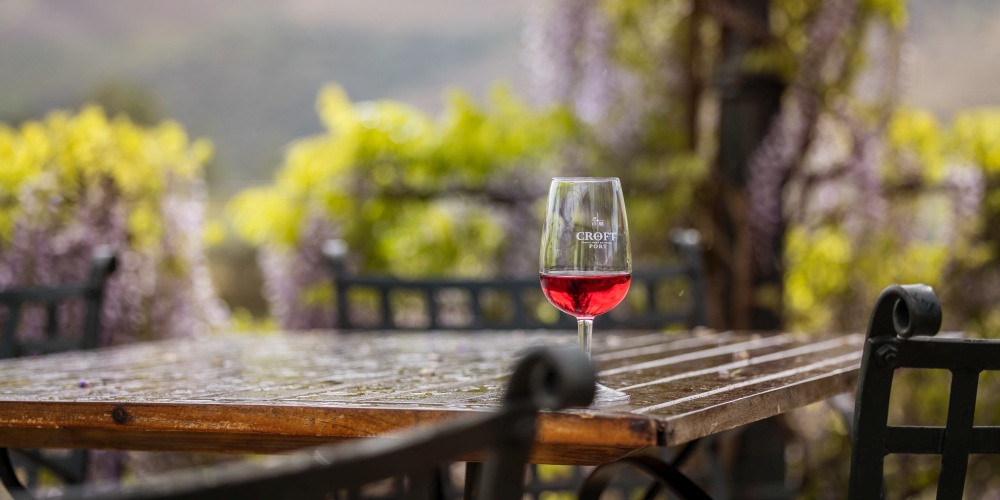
(90, 292)
(672, 295)
(544, 378)
(900, 336)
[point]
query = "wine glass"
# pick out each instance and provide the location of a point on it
(585, 264)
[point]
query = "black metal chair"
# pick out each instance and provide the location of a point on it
(544, 379)
(900, 334)
(68, 465)
(509, 303)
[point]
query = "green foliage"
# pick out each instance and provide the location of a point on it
(918, 146)
(73, 182)
(410, 193)
(893, 11)
(834, 268)
(638, 41)
(659, 194)
(790, 25)
(243, 321)
(818, 266)
(789, 21)
(975, 138)
(65, 155)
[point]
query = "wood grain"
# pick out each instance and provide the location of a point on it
(272, 393)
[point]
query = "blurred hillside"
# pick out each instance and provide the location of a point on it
(245, 73)
(955, 55)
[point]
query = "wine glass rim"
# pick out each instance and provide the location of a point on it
(585, 179)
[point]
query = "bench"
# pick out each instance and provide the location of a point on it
(672, 295)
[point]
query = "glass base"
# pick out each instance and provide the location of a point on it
(605, 395)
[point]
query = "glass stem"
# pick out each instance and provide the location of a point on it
(585, 328)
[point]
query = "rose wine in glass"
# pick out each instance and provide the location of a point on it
(585, 264)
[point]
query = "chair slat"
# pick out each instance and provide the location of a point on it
(432, 308)
(9, 347)
(388, 320)
(945, 353)
(51, 319)
(958, 437)
(43, 294)
(920, 440)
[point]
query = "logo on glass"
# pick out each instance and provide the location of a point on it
(597, 239)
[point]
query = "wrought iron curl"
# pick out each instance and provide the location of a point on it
(905, 311)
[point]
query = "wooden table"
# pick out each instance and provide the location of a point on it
(270, 393)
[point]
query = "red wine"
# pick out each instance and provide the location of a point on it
(585, 295)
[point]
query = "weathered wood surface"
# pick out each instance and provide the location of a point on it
(265, 394)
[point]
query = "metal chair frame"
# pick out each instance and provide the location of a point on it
(900, 335)
(103, 265)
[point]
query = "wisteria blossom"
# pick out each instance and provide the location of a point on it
(789, 136)
(290, 272)
(162, 287)
(569, 56)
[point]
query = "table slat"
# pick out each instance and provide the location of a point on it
(270, 393)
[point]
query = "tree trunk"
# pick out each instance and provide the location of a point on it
(747, 294)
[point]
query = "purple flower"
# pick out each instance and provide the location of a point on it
(159, 291)
(288, 272)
